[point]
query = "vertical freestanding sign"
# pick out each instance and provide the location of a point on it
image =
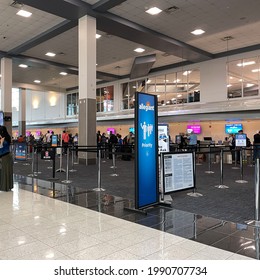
(146, 150)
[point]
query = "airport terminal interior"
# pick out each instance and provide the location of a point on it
(78, 66)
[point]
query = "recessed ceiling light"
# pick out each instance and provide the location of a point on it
(186, 73)
(37, 81)
(23, 65)
(63, 73)
(50, 54)
(24, 13)
(139, 50)
(197, 32)
(255, 70)
(98, 36)
(0, 75)
(245, 63)
(153, 11)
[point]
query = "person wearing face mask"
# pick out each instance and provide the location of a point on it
(6, 161)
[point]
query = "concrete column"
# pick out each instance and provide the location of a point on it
(22, 112)
(87, 87)
(6, 92)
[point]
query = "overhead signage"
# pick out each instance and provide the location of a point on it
(178, 172)
(146, 135)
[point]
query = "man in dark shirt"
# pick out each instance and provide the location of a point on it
(257, 145)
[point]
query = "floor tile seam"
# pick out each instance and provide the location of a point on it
(122, 250)
(20, 246)
(220, 240)
(70, 255)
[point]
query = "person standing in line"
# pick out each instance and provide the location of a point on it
(65, 141)
(256, 145)
(6, 160)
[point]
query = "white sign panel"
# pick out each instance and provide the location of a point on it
(163, 138)
(178, 172)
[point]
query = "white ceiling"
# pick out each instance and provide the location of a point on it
(219, 18)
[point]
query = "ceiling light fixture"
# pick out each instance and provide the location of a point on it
(255, 70)
(98, 36)
(24, 13)
(63, 73)
(197, 32)
(153, 11)
(37, 81)
(245, 63)
(186, 73)
(23, 65)
(50, 54)
(139, 50)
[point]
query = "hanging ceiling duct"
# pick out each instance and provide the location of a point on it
(142, 66)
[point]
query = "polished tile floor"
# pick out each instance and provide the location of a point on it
(43, 220)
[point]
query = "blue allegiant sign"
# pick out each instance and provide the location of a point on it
(146, 142)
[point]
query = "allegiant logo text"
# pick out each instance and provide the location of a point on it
(146, 107)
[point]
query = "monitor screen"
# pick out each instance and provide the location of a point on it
(1, 118)
(132, 129)
(194, 127)
(111, 130)
(233, 128)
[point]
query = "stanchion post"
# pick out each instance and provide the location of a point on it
(114, 162)
(33, 158)
(37, 164)
(60, 169)
(99, 188)
(67, 181)
(256, 222)
(161, 175)
(257, 191)
(221, 186)
(194, 193)
(113, 157)
(241, 181)
(209, 171)
(221, 167)
(72, 160)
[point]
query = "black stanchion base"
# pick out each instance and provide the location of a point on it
(60, 170)
(66, 181)
(194, 194)
(136, 210)
(52, 179)
(253, 223)
(98, 189)
(165, 204)
(241, 181)
(221, 187)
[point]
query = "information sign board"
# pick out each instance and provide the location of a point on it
(178, 172)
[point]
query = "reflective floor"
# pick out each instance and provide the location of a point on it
(45, 220)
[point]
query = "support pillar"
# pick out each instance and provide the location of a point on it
(6, 92)
(22, 112)
(87, 87)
